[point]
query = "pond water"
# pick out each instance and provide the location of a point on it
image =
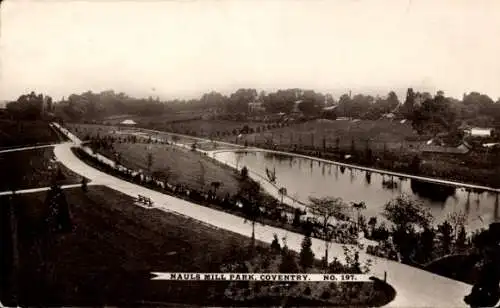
(306, 177)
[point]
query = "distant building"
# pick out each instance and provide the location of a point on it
(478, 132)
(389, 116)
(128, 122)
(296, 110)
(431, 148)
(330, 108)
(256, 107)
(329, 112)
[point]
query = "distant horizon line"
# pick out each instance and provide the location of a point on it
(336, 94)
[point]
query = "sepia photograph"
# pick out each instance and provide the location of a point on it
(238, 153)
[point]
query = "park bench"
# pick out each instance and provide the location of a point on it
(145, 200)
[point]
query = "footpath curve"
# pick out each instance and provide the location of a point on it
(414, 287)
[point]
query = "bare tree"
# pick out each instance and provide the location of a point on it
(325, 209)
(250, 194)
(149, 161)
(457, 220)
(358, 206)
(201, 179)
(282, 192)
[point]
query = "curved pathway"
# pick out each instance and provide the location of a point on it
(415, 288)
(28, 148)
(38, 189)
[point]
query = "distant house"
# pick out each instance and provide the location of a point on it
(431, 147)
(256, 107)
(389, 115)
(329, 112)
(330, 108)
(296, 109)
(478, 132)
(128, 122)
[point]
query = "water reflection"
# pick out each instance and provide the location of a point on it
(368, 177)
(467, 204)
(431, 191)
(375, 189)
(495, 214)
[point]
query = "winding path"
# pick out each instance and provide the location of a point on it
(27, 148)
(38, 189)
(415, 288)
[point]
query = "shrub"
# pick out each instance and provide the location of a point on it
(325, 295)
(275, 245)
(307, 291)
(306, 254)
(288, 263)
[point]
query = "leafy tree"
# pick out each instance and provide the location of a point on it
(405, 212)
(58, 218)
(288, 263)
(426, 244)
(433, 116)
(325, 209)
(345, 108)
(306, 253)
(461, 240)
(409, 103)
(275, 244)
(445, 232)
(215, 186)
(244, 173)
(296, 217)
(392, 101)
(250, 195)
(239, 100)
(372, 222)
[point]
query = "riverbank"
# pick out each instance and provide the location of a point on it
(311, 155)
(397, 166)
(390, 162)
(271, 213)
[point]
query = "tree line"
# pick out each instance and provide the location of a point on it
(428, 113)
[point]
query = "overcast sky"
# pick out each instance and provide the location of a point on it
(185, 48)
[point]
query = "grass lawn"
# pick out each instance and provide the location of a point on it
(114, 245)
(26, 133)
(205, 128)
(312, 133)
(32, 168)
(108, 257)
(181, 165)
